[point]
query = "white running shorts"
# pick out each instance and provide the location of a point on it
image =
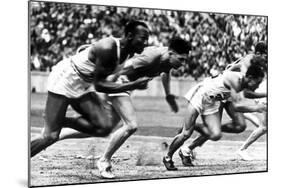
(65, 81)
(199, 100)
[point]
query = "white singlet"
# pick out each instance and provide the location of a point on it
(73, 77)
(207, 96)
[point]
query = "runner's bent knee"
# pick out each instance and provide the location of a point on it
(131, 127)
(215, 136)
(240, 127)
(186, 133)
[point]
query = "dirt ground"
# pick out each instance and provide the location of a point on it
(140, 157)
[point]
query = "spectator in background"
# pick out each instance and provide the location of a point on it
(216, 38)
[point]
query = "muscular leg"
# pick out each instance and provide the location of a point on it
(79, 125)
(202, 129)
(197, 142)
(124, 107)
(204, 136)
(213, 122)
(256, 134)
(95, 119)
(253, 119)
(253, 137)
(238, 124)
(56, 107)
(68, 133)
(189, 122)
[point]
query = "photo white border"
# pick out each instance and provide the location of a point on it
(14, 92)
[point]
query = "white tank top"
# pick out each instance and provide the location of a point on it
(83, 66)
(214, 89)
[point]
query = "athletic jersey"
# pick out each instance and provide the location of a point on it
(206, 96)
(73, 77)
(148, 62)
(215, 90)
(84, 67)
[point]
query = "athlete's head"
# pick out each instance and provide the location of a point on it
(137, 33)
(179, 50)
(254, 74)
(261, 48)
(259, 60)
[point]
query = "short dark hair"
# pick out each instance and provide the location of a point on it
(260, 61)
(255, 71)
(180, 45)
(132, 25)
(261, 47)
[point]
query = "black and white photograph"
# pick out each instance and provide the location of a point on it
(122, 93)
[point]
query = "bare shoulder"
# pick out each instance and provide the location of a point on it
(105, 51)
(106, 44)
(231, 75)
